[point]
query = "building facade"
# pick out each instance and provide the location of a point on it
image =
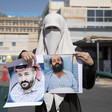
(16, 34)
(84, 17)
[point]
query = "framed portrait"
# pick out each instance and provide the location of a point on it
(63, 74)
(27, 83)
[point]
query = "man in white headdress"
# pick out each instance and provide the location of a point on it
(55, 39)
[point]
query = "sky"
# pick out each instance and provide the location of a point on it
(36, 6)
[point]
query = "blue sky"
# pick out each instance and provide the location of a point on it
(36, 6)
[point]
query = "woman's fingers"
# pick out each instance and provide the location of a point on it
(28, 56)
(85, 57)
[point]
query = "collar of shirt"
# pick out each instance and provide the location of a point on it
(63, 71)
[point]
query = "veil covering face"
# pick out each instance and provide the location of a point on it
(54, 41)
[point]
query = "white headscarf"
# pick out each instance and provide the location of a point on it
(65, 45)
(61, 45)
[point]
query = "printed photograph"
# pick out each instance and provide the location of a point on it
(27, 83)
(63, 74)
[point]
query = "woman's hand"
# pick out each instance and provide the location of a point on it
(28, 56)
(85, 57)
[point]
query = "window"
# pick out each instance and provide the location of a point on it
(99, 16)
(22, 23)
(108, 19)
(99, 19)
(91, 13)
(1, 22)
(108, 13)
(15, 29)
(1, 43)
(35, 23)
(13, 43)
(15, 23)
(35, 30)
(99, 13)
(22, 30)
(8, 22)
(3, 58)
(1, 29)
(30, 23)
(8, 29)
(29, 30)
(91, 19)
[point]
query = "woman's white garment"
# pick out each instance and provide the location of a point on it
(54, 42)
(48, 98)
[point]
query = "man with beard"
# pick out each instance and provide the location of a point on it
(60, 78)
(30, 86)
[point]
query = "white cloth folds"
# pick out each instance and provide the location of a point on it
(48, 99)
(65, 45)
(58, 99)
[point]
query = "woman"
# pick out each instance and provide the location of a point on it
(55, 39)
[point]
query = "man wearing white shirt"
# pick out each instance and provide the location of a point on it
(30, 86)
(60, 78)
